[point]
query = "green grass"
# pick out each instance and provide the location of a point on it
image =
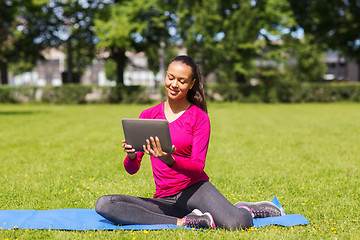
(55, 156)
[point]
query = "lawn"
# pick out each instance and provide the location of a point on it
(57, 156)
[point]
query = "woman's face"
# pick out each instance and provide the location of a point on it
(179, 80)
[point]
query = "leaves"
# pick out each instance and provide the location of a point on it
(337, 24)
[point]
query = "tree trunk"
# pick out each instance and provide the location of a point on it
(120, 58)
(358, 68)
(240, 78)
(162, 60)
(3, 73)
(69, 62)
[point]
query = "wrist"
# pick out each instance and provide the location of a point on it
(131, 156)
(171, 161)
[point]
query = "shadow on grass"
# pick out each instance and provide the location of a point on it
(21, 112)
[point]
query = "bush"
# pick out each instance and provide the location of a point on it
(9, 94)
(128, 94)
(65, 94)
(288, 92)
(224, 92)
(324, 92)
(285, 91)
(75, 94)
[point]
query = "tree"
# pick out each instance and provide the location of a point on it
(308, 64)
(73, 21)
(335, 25)
(28, 27)
(200, 27)
(225, 35)
(246, 22)
(19, 36)
(129, 25)
(153, 55)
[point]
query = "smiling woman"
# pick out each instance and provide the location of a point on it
(184, 195)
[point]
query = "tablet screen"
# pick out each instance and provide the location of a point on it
(137, 130)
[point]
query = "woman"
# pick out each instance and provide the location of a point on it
(184, 195)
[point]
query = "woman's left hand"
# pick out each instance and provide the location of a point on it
(153, 148)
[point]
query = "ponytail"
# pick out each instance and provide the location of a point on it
(196, 94)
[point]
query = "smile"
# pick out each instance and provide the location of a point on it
(173, 92)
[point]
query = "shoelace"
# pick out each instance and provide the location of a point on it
(193, 223)
(260, 214)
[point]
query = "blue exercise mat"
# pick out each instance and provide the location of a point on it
(88, 219)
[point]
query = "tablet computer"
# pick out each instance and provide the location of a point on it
(137, 130)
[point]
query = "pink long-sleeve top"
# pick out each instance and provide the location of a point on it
(190, 134)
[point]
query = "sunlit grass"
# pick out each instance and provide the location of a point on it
(305, 154)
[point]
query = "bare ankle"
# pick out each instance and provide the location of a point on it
(180, 222)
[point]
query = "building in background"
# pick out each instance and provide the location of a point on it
(340, 68)
(48, 72)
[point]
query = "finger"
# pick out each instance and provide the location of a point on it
(148, 144)
(127, 147)
(158, 144)
(130, 151)
(153, 144)
(148, 147)
(173, 148)
(124, 143)
(145, 150)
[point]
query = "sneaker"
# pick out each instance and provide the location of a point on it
(261, 209)
(197, 219)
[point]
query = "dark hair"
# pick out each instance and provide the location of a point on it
(196, 94)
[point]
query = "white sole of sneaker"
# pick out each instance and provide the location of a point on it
(212, 220)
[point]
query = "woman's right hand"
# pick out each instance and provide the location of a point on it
(129, 150)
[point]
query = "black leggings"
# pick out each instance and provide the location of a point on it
(123, 209)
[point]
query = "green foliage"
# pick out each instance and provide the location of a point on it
(110, 69)
(335, 25)
(75, 94)
(76, 19)
(200, 26)
(245, 21)
(20, 23)
(66, 94)
(309, 60)
(117, 29)
(307, 155)
(9, 94)
(128, 94)
(281, 91)
(20, 67)
(224, 92)
(153, 56)
(129, 26)
(311, 92)
(286, 91)
(122, 24)
(228, 38)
